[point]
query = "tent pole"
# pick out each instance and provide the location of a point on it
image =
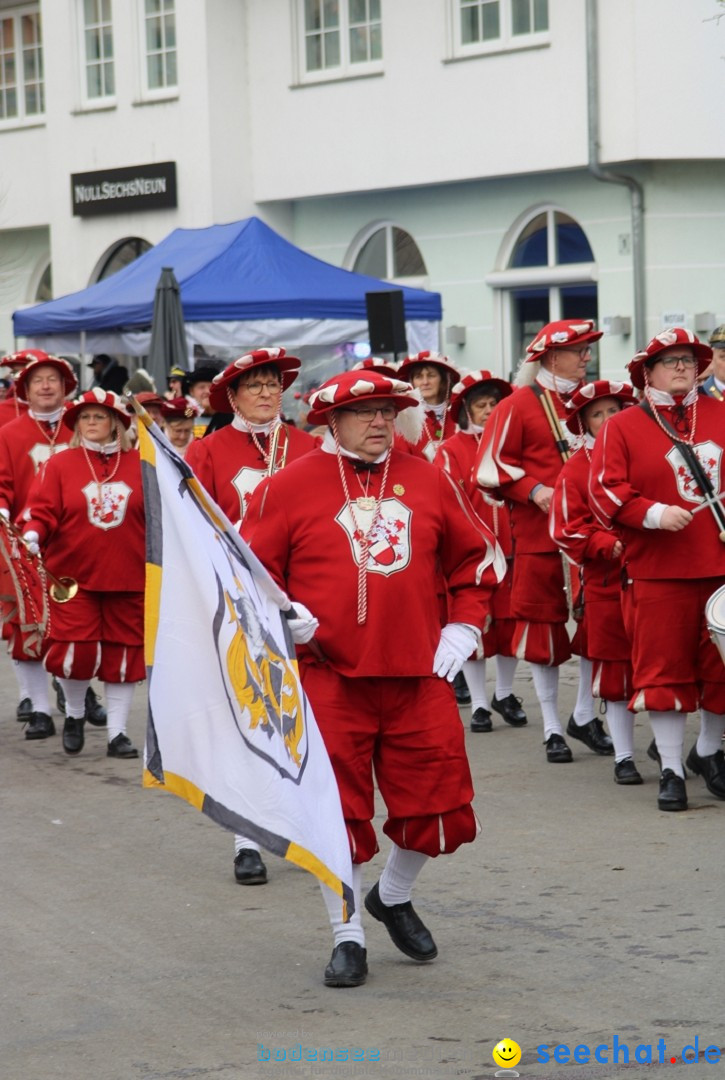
(82, 372)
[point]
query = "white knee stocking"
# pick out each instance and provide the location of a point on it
(118, 705)
(244, 842)
(669, 733)
(584, 708)
(505, 671)
(36, 681)
(546, 684)
(345, 931)
(399, 874)
(474, 672)
(75, 697)
(712, 727)
(620, 722)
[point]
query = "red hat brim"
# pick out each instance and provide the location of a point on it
(288, 367)
(70, 416)
(321, 414)
(703, 355)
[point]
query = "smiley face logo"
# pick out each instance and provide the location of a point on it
(506, 1053)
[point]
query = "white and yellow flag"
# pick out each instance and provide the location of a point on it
(229, 729)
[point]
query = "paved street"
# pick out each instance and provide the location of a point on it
(129, 953)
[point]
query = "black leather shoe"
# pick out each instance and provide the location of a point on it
(404, 925)
(557, 750)
(121, 747)
(95, 713)
(250, 870)
(592, 735)
(40, 727)
(24, 712)
(510, 709)
(59, 695)
(348, 965)
(711, 768)
(625, 772)
(463, 694)
(481, 720)
(73, 738)
(673, 794)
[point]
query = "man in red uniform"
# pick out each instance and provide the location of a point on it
(355, 531)
(11, 406)
(25, 444)
(476, 395)
(654, 468)
(521, 454)
(232, 461)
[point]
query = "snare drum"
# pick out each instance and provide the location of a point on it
(715, 618)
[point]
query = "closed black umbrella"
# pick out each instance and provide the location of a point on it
(168, 347)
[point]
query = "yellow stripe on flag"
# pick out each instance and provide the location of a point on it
(177, 785)
(152, 606)
(301, 857)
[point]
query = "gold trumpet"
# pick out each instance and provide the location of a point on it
(62, 589)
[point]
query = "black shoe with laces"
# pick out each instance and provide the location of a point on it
(41, 726)
(121, 747)
(557, 752)
(625, 772)
(592, 735)
(95, 713)
(672, 794)
(510, 709)
(249, 868)
(711, 768)
(481, 720)
(24, 711)
(73, 738)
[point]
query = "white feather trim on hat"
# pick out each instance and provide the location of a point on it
(527, 372)
(410, 422)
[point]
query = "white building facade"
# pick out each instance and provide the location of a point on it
(528, 159)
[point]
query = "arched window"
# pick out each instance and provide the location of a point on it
(121, 254)
(384, 250)
(547, 272)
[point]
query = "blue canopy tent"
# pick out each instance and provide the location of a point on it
(242, 286)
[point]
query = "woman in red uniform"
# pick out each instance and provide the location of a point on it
(433, 377)
(597, 552)
(87, 514)
(477, 394)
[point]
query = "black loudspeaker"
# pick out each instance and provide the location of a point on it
(386, 321)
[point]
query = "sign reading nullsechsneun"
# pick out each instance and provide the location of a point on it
(119, 191)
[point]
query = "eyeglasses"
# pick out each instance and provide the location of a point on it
(256, 388)
(96, 418)
(673, 361)
(367, 415)
(583, 353)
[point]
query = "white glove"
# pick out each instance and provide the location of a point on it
(4, 512)
(304, 625)
(31, 540)
(458, 641)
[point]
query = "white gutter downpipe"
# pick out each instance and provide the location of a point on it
(635, 189)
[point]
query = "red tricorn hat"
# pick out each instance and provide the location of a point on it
(602, 388)
(178, 409)
(428, 359)
(106, 398)
(44, 359)
(675, 335)
(478, 379)
(356, 388)
(562, 334)
(288, 367)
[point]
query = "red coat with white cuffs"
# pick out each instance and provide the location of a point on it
(300, 526)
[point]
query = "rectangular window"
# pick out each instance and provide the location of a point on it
(492, 25)
(22, 90)
(160, 44)
(99, 81)
(341, 37)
